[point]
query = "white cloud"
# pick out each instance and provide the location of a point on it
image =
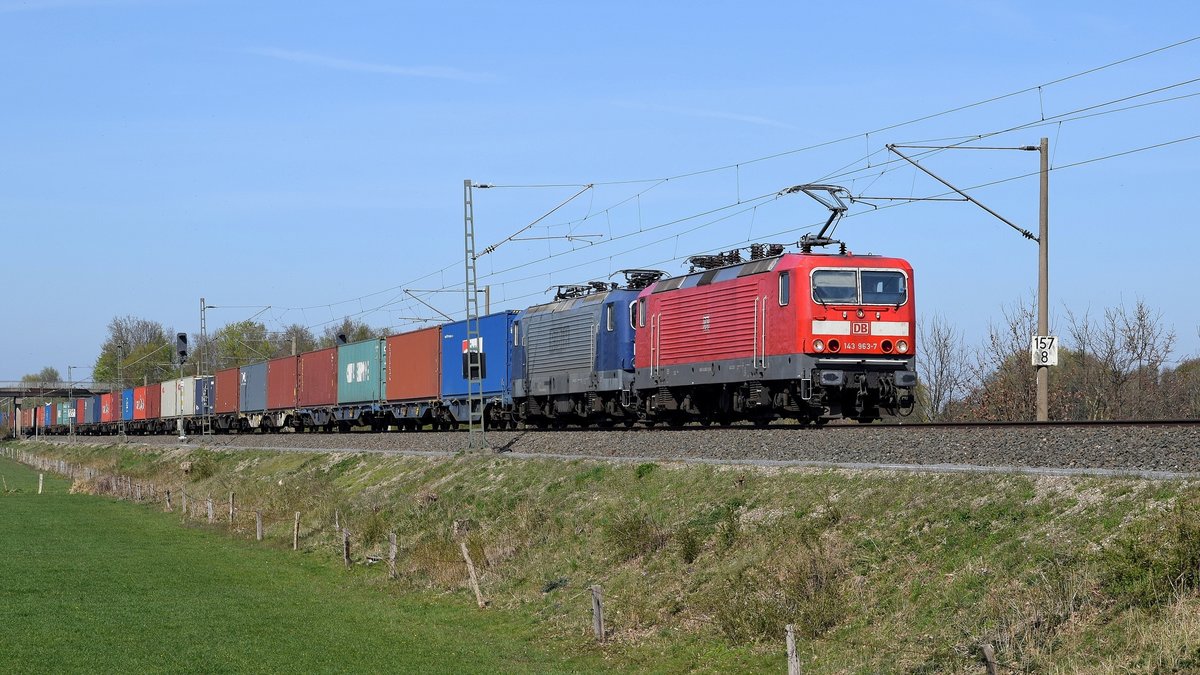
(436, 72)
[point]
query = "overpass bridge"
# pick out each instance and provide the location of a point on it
(52, 389)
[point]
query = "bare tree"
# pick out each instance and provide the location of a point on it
(353, 329)
(1123, 356)
(1003, 377)
(304, 338)
(942, 365)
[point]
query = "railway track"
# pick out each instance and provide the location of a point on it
(1152, 449)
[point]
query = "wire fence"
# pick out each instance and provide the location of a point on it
(228, 511)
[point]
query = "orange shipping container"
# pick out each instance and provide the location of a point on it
(414, 365)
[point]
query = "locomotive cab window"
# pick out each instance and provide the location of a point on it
(641, 312)
(835, 286)
(516, 334)
(785, 289)
(610, 318)
(883, 287)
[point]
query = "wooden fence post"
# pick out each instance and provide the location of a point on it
(391, 555)
(40, 477)
(169, 499)
(258, 524)
(598, 613)
(137, 492)
(346, 547)
(471, 571)
(989, 658)
(296, 533)
(231, 510)
(211, 517)
(793, 659)
(336, 524)
(184, 511)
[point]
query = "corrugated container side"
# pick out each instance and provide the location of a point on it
(82, 410)
(252, 394)
(168, 405)
(108, 408)
(63, 413)
(127, 404)
(496, 334)
(206, 394)
(281, 383)
(188, 400)
(414, 365)
(360, 371)
(318, 378)
(139, 403)
(153, 402)
(94, 410)
(228, 386)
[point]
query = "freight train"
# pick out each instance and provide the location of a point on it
(807, 336)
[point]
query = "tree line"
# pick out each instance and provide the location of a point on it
(1113, 364)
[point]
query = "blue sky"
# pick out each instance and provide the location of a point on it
(311, 156)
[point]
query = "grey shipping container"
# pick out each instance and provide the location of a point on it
(252, 388)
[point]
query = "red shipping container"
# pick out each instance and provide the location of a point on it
(53, 414)
(109, 411)
(227, 386)
(154, 401)
(27, 418)
(139, 402)
(414, 365)
(282, 383)
(318, 378)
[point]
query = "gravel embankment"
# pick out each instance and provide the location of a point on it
(1170, 450)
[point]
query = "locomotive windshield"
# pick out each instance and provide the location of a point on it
(859, 287)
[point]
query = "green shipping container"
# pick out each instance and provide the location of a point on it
(360, 372)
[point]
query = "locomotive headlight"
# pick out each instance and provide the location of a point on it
(902, 346)
(818, 345)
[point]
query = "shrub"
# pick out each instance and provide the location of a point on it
(807, 587)
(634, 534)
(1155, 564)
(644, 470)
(689, 544)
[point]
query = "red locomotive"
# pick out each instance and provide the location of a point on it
(809, 336)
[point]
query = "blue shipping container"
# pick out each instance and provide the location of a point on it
(127, 405)
(48, 414)
(252, 388)
(495, 335)
(93, 410)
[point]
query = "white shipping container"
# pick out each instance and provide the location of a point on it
(187, 395)
(169, 398)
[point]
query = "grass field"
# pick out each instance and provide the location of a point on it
(88, 584)
(701, 566)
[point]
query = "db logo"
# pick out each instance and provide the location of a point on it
(860, 328)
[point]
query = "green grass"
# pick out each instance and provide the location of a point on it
(702, 566)
(88, 584)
